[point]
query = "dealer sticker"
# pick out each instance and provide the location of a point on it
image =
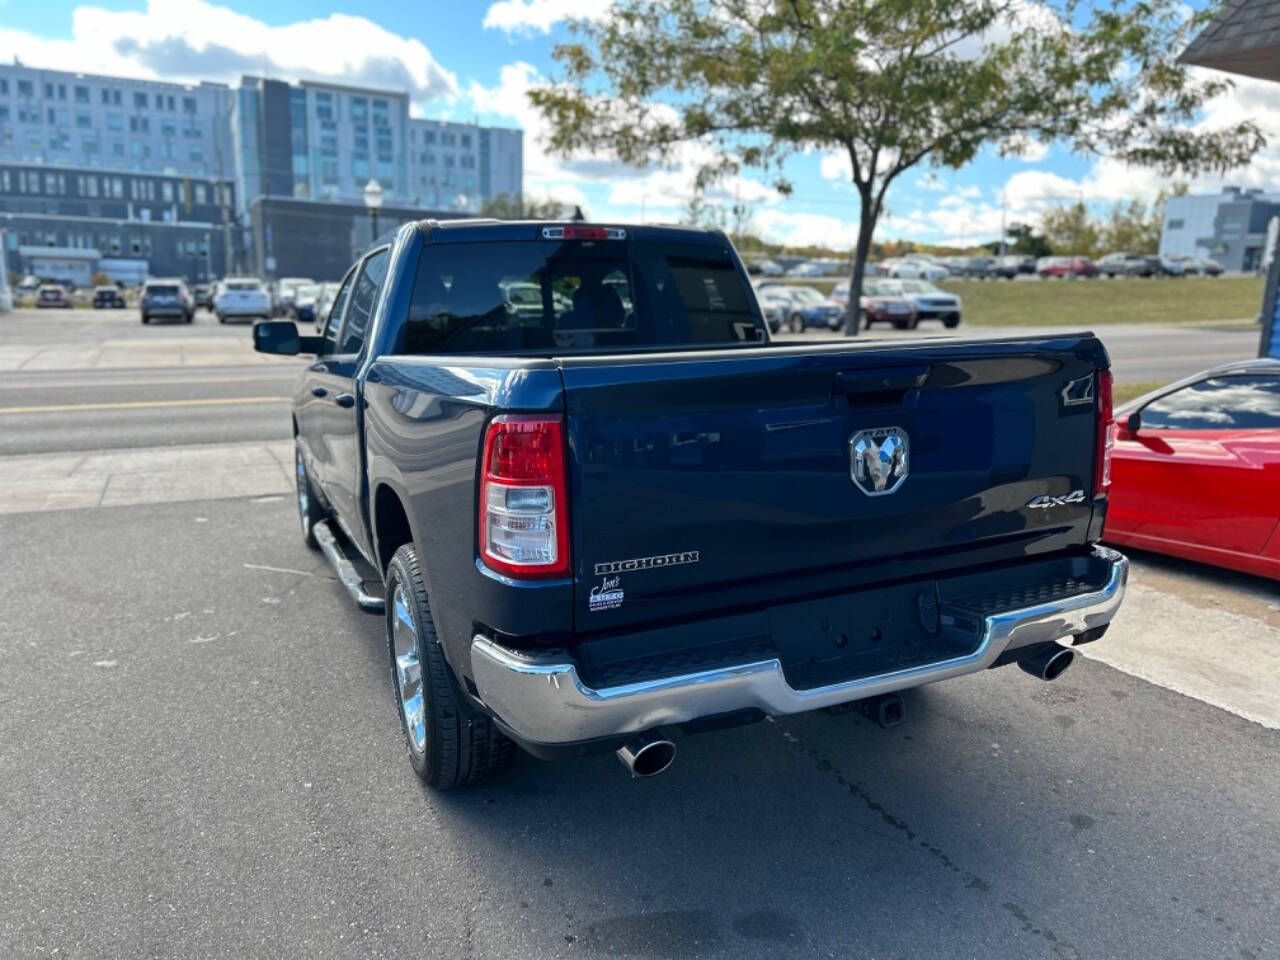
(607, 595)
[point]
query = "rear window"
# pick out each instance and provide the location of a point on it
(243, 285)
(162, 289)
(553, 295)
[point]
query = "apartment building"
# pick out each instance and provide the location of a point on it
(267, 149)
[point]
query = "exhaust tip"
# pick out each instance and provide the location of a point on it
(647, 756)
(1050, 663)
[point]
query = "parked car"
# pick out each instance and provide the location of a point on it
(240, 298)
(1061, 267)
(930, 302)
(915, 269)
(52, 295)
(884, 302)
(108, 296)
(585, 529)
(166, 298)
(1130, 265)
(1012, 265)
(807, 269)
(1196, 469)
(323, 301)
(286, 291)
(1171, 266)
(304, 302)
(770, 268)
(775, 304)
(979, 268)
(1198, 266)
(807, 307)
(202, 295)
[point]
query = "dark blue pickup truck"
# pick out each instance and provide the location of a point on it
(597, 503)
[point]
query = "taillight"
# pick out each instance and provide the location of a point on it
(524, 502)
(1105, 436)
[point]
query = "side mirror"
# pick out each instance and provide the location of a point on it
(1134, 422)
(281, 337)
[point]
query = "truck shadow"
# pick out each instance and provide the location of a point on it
(807, 834)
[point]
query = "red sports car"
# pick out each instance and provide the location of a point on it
(1196, 469)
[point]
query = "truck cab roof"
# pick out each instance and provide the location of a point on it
(473, 230)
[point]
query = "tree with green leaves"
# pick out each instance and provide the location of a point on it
(516, 206)
(1024, 239)
(888, 84)
(1071, 229)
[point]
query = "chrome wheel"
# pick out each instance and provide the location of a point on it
(304, 498)
(408, 671)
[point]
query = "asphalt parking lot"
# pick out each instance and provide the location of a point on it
(199, 754)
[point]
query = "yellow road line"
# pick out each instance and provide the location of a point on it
(144, 404)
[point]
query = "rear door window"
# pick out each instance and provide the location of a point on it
(545, 295)
(364, 296)
(335, 313)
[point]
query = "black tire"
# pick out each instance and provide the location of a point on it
(866, 320)
(221, 318)
(797, 323)
(460, 746)
(901, 324)
(952, 321)
(145, 318)
(189, 318)
(309, 510)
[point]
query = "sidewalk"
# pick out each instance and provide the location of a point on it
(114, 478)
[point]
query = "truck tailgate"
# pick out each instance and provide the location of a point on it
(702, 482)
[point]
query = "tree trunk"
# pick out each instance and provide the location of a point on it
(866, 226)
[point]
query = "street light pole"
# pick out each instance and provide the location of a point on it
(373, 200)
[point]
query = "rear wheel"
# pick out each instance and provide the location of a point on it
(797, 323)
(448, 745)
(145, 318)
(952, 321)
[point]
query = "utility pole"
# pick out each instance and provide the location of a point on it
(1004, 233)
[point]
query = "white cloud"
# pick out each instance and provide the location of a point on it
(797, 228)
(192, 40)
(529, 16)
(836, 166)
(1028, 150)
(656, 192)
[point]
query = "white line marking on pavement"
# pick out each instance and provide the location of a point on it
(1218, 657)
(261, 566)
(144, 404)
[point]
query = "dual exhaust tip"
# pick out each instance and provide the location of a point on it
(647, 755)
(1048, 662)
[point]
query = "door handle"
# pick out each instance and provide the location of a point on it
(319, 392)
(873, 381)
(345, 400)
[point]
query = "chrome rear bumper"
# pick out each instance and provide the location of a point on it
(545, 701)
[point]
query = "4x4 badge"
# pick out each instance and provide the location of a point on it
(1049, 500)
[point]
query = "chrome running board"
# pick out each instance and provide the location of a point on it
(347, 573)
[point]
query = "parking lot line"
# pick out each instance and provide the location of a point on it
(143, 404)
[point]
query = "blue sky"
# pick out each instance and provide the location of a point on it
(475, 60)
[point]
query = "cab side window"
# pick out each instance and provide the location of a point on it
(1220, 403)
(335, 313)
(364, 296)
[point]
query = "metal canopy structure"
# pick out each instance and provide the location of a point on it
(1244, 39)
